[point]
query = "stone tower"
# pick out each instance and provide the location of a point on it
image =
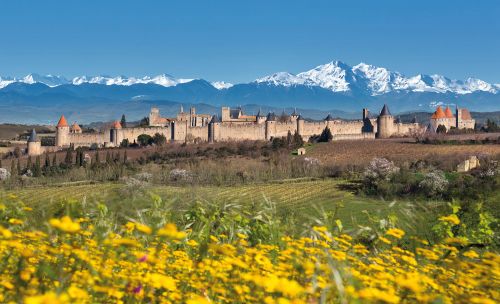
(329, 122)
(226, 114)
(260, 119)
(385, 123)
(294, 115)
(154, 116)
(62, 132)
(270, 125)
(34, 144)
(116, 134)
(192, 116)
(300, 125)
(214, 129)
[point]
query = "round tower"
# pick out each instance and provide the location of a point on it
(300, 125)
(34, 144)
(385, 123)
(62, 133)
(260, 119)
(270, 125)
(116, 135)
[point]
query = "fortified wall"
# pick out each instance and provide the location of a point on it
(233, 125)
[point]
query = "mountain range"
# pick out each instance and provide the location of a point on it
(333, 87)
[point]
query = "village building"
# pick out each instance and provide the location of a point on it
(461, 120)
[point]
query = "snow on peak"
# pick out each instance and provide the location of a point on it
(281, 79)
(163, 80)
(333, 76)
(220, 85)
(340, 77)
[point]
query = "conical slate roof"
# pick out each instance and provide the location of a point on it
(295, 112)
(271, 117)
(329, 118)
(259, 114)
(215, 119)
(300, 117)
(33, 137)
(385, 111)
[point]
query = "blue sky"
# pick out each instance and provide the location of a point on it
(238, 41)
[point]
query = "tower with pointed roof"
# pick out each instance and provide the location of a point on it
(385, 123)
(294, 115)
(214, 129)
(34, 144)
(270, 125)
(259, 118)
(62, 132)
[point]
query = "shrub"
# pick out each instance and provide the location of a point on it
(145, 140)
(434, 183)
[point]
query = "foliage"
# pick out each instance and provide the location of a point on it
(145, 140)
(491, 126)
(123, 121)
(326, 135)
(159, 139)
(434, 183)
(441, 129)
(220, 254)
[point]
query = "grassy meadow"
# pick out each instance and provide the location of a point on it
(300, 202)
(251, 223)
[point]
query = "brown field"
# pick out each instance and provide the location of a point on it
(361, 152)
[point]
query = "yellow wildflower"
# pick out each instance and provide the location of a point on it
(452, 219)
(15, 221)
(65, 224)
(397, 233)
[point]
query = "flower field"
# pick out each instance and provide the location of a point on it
(149, 260)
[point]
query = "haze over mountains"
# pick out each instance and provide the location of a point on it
(333, 87)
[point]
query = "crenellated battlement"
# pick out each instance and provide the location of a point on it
(234, 125)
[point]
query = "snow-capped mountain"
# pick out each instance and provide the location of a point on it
(334, 76)
(163, 80)
(330, 87)
(49, 80)
(340, 77)
(220, 85)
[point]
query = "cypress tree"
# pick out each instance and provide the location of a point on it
(326, 135)
(123, 121)
(36, 168)
(297, 140)
(125, 157)
(108, 158)
(68, 160)
(81, 160)
(13, 169)
(29, 165)
(47, 161)
(18, 167)
(97, 159)
(289, 138)
(54, 160)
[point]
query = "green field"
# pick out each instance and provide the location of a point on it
(303, 201)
